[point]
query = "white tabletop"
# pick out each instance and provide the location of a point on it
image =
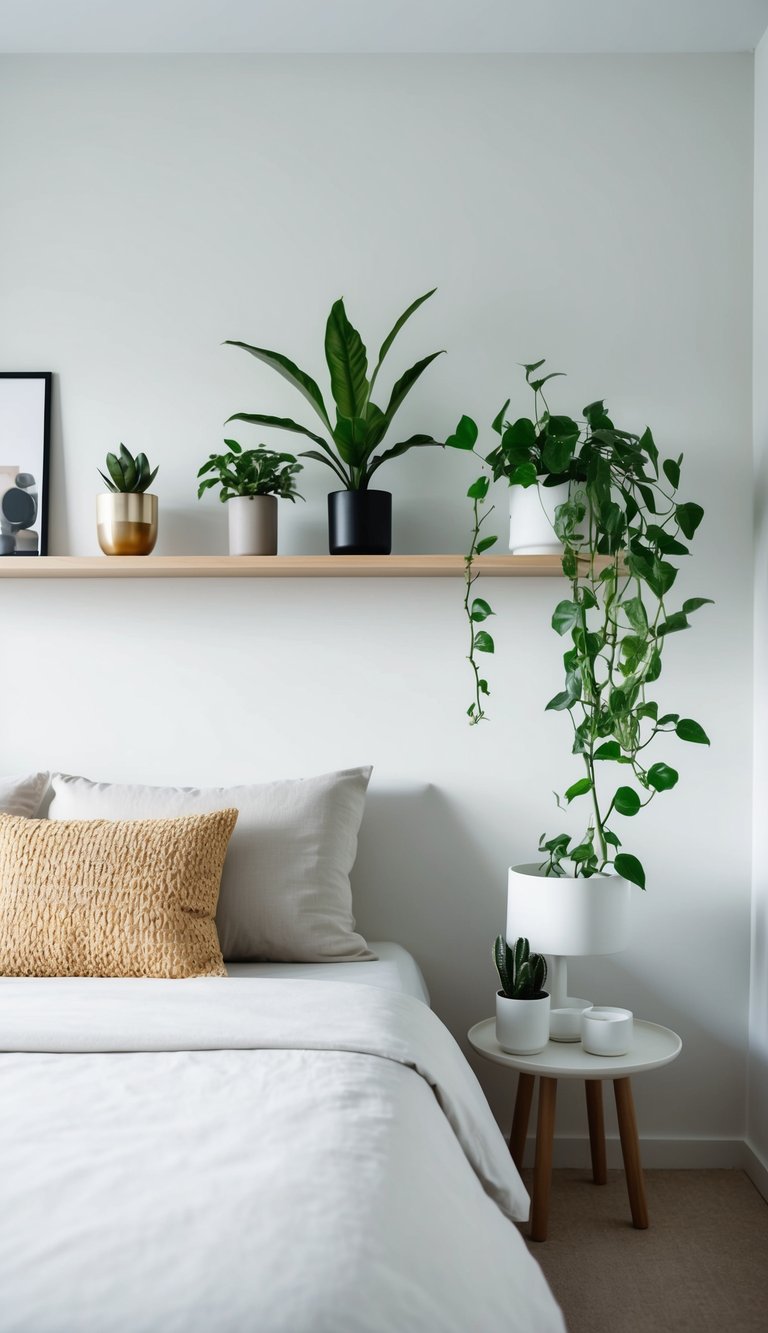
(651, 1046)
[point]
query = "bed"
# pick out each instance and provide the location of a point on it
(293, 1149)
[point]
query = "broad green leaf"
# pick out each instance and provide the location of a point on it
(560, 701)
(626, 801)
(651, 709)
(583, 852)
(689, 517)
(559, 451)
(415, 442)
(672, 472)
(289, 371)
(693, 604)
(596, 417)
(347, 363)
(280, 423)
(565, 616)
(483, 643)
(405, 384)
(672, 624)
(480, 610)
(608, 750)
(390, 338)
(667, 718)
(611, 838)
(662, 777)
(464, 436)
(688, 730)
(519, 441)
(635, 612)
(497, 424)
(485, 544)
(660, 577)
(653, 670)
(664, 541)
(479, 489)
(630, 868)
(648, 445)
(524, 475)
(579, 788)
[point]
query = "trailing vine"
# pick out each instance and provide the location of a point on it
(621, 526)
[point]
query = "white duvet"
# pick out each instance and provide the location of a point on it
(250, 1157)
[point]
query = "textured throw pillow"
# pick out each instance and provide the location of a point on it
(285, 891)
(22, 796)
(98, 898)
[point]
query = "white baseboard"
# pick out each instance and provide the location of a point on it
(755, 1167)
(664, 1154)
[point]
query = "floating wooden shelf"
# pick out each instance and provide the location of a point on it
(276, 567)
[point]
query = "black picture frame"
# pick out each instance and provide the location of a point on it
(25, 443)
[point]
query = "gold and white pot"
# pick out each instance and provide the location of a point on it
(126, 523)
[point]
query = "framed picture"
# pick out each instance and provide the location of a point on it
(25, 432)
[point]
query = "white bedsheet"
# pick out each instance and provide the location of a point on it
(393, 968)
(254, 1155)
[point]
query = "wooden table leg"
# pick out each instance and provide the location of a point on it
(522, 1113)
(594, 1090)
(630, 1151)
(542, 1169)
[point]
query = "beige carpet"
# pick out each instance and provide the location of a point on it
(701, 1267)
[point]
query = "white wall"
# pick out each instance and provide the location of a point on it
(757, 1124)
(593, 210)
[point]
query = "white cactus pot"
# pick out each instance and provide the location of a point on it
(522, 1026)
(532, 517)
(575, 917)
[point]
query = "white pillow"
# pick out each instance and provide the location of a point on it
(22, 796)
(285, 892)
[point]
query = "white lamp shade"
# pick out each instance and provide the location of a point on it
(575, 917)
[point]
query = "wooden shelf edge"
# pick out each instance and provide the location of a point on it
(278, 566)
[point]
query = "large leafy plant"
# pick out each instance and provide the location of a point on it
(250, 472)
(348, 443)
(623, 531)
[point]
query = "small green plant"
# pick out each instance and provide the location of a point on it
(349, 445)
(522, 974)
(129, 475)
(251, 472)
(623, 529)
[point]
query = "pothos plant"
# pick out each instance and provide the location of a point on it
(623, 529)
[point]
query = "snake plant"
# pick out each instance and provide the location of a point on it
(350, 443)
(128, 475)
(522, 974)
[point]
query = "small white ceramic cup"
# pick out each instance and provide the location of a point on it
(606, 1031)
(565, 1023)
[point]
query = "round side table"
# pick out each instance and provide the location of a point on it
(652, 1046)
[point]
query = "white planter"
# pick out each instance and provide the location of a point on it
(252, 524)
(532, 517)
(607, 1031)
(522, 1026)
(576, 917)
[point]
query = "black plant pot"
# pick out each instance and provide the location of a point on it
(359, 522)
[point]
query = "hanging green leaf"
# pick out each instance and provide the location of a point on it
(630, 868)
(688, 730)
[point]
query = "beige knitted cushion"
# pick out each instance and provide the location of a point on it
(104, 898)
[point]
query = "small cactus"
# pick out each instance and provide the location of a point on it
(522, 974)
(128, 475)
